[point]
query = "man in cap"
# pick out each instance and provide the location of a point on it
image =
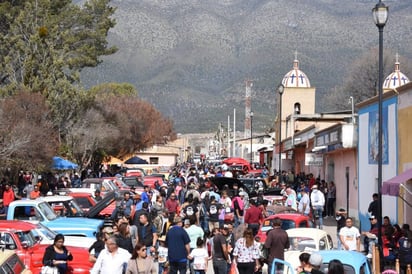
(315, 262)
(178, 245)
(317, 199)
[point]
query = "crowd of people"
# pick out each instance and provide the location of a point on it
(187, 223)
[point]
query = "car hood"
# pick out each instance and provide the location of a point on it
(67, 223)
(109, 198)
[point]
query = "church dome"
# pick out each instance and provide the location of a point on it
(296, 78)
(396, 78)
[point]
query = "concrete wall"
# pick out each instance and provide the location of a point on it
(367, 168)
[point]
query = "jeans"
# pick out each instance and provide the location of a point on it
(219, 266)
(318, 211)
(199, 272)
(246, 268)
(176, 267)
(161, 268)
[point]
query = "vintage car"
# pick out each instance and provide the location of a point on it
(353, 262)
(40, 210)
(46, 236)
(289, 220)
(86, 201)
(19, 237)
(306, 240)
(11, 263)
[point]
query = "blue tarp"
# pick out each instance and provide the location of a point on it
(60, 163)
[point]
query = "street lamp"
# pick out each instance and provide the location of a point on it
(280, 90)
(251, 138)
(380, 16)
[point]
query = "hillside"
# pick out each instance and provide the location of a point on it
(190, 58)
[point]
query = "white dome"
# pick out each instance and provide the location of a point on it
(296, 78)
(395, 79)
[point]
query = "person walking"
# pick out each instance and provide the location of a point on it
(57, 255)
(140, 263)
(277, 241)
(304, 202)
(317, 199)
(112, 259)
(178, 246)
(253, 217)
(350, 236)
(220, 251)
(340, 222)
(200, 257)
(330, 206)
(246, 253)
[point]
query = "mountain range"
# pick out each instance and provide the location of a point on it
(191, 58)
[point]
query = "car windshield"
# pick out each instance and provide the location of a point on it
(348, 269)
(44, 232)
(302, 243)
(68, 208)
(26, 237)
(47, 211)
(286, 224)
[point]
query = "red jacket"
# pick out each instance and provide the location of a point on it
(8, 197)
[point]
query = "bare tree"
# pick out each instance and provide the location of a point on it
(362, 79)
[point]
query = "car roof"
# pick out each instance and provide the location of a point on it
(16, 225)
(353, 258)
(288, 216)
(314, 233)
(56, 198)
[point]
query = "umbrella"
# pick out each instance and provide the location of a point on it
(60, 163)
(135, 161)
(235, 160)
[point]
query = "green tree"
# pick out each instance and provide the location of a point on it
(44, 41)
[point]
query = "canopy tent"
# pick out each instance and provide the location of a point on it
(393, 186)
(60, 164)
(235, 160)
(113, 161)
(136, 161)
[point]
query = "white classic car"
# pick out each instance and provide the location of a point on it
(306, 240)
(47, 236)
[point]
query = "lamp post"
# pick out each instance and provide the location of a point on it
(380, 16)
(251, 137)
(280, 90)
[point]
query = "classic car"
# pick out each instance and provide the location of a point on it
(306, 240)
(41, 211)
(289, 220)
(19, 237)
(353, 262)
(11, 263)
(46, 236)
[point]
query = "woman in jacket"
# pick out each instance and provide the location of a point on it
(57, 255)
(139, 263)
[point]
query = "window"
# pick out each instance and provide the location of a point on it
(154, 160)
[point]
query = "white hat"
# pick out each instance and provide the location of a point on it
(315, 259)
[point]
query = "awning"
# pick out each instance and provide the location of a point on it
(391, 187)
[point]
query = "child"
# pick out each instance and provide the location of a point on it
(200, 257)
(162, 255)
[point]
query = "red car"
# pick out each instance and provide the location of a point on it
(289, 220)
(18, 236)
(85, 200)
